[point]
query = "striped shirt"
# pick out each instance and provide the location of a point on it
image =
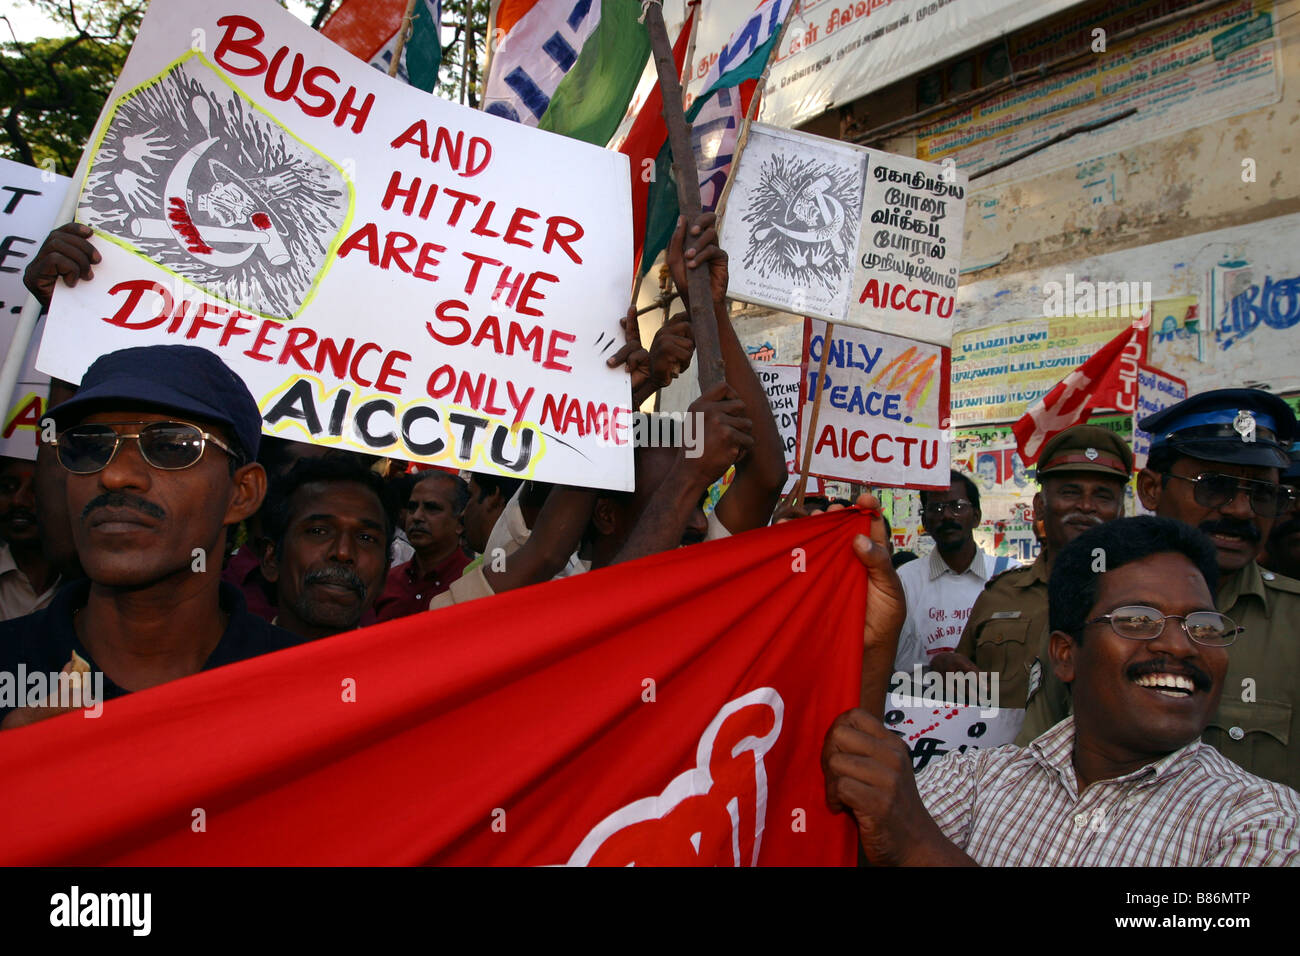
(1020, 806)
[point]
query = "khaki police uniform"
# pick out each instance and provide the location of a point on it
(1002, 634)
(1007, 630)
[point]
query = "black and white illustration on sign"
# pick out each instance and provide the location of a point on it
(792, 223)
(804, 220)
(193, 176)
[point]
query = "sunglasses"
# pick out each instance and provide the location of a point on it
(168, 446)
(956, 508)
(1140, 623)
(1213, 490)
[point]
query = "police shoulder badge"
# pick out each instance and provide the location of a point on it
(1244, 425)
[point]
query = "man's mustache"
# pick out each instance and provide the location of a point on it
(18, 513)
(1198, 677)
(1234, 526)
(339, 574)
(120, 499)
(1081, 516)
(947, 526)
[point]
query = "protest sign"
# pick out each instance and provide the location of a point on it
(933, 728)
(29, 203)
(905, 280)
(781, 383)
(792, 221)
(1157, 390)
(852, 235)
(884, 414)
(623, 724)
(389, 272)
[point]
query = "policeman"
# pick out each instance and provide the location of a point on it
(1215, 463)
(1081, 474)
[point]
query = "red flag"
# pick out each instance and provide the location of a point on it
(362, 27)
(644, 140)
(1108, 379)
(593, 719)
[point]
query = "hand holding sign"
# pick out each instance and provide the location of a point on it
(633, 355)
(66, 254)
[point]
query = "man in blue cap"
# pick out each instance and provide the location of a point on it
(159, 447)
(1215, 463)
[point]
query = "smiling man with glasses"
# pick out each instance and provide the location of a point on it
(1125, 781)
(158, 447)
(1214, 464)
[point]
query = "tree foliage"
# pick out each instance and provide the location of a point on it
(52, 89)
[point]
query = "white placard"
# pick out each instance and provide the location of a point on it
(851, 235)
(29, 203)
(388, 271)
(931, 729)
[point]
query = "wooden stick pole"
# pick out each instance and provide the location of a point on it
(690, 46)
(403, 32)
(796, 495)
(743, 138)
(708, 351)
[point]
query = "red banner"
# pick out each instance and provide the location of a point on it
(666, 711)
(1107, 380)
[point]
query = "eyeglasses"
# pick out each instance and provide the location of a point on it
(1213, 490)
(1140, 623)
(955, 508)
(169, 446)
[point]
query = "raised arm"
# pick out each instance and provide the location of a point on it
(760, 474)
(726, 436)
(554, 536)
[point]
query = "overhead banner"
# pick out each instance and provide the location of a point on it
(623, 725)
(29, 202)
(825, 229)
(389, 272)
(1193, 71)
(836, 52)
(884, 408)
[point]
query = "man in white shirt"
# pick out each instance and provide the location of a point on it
(941, 589)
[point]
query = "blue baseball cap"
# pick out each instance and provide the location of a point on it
(171, 378)
(1242, 426)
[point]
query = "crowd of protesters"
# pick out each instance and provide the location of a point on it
(1157, 659)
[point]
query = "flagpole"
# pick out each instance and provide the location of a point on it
(708, 351)
(796, 493)
(690, 46)
(402, 33)
(743, 138)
